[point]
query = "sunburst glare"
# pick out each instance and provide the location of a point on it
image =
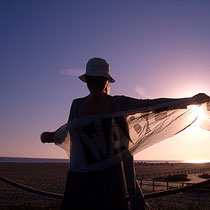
(197, 111)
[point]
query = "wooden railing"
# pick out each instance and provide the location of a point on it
(172, 173)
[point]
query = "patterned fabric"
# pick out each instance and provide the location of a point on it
(102, 141)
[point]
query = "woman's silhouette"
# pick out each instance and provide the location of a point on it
(115, 187)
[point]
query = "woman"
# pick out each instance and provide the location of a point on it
(90, 185)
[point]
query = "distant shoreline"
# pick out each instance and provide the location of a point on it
(54, 160)
(31, 160)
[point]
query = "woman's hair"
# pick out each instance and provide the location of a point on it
(107, 88)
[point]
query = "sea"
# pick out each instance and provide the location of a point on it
(31, 160)
(51, 160)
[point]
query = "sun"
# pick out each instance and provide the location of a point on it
(197, 109)
(197, 112)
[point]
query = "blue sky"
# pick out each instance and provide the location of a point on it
(156, 48)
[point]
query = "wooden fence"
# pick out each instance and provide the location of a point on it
(153, 185)
(146, 180)
(172, 173)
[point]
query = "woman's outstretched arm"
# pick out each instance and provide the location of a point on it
(197, 99)
(123, 103)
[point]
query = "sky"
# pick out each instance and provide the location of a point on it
(155, 48)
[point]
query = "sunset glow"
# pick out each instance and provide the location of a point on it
(156, 49)
(197, 161)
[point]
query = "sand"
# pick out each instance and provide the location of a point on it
(52, 176)
(44, 176)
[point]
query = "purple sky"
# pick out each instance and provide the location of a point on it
(155, 49)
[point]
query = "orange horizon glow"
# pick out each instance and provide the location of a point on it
(197, 161)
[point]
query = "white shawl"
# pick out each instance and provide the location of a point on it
(133, 131)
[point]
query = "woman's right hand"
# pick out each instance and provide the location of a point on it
(200, 98)
(47, 137)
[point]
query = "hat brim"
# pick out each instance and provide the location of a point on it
(110, 79)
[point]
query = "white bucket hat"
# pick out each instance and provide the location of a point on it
(97, 67)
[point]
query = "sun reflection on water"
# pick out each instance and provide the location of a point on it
(197, 161)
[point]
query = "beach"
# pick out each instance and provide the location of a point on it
(51, 177)
(43, 176)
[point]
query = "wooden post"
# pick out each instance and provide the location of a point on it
(153, 185)
(199, 195)
(126, 193)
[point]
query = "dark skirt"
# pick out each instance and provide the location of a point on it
(95, 190)
(101, 190)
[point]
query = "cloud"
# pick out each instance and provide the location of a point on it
(71, 72)
(142, 92)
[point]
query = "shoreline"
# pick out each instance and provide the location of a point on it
(65, 160)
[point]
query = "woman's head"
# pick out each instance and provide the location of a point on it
(97, 76)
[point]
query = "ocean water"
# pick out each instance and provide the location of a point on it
(31, 160)
(159, 161)
(50, 160)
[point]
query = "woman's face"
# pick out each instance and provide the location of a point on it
(96, 85)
